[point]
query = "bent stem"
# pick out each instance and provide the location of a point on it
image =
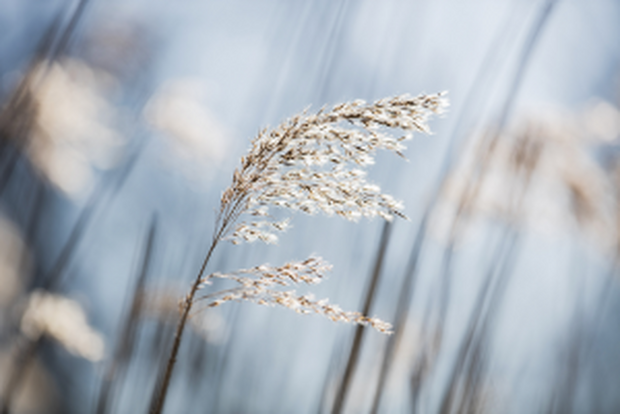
(287, 167)
(229, 212)
(161, 389)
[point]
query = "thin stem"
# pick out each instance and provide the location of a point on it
(400, 316)
(354, 353)
(161, 390)
(211, 296)
(117, 367)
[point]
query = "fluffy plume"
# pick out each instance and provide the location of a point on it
(259, 285)
(314, 163)
(310, 163)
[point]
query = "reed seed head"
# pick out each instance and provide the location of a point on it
(315, 163)
(260, 285)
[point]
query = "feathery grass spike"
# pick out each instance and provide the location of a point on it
(310, 163)
(314, 163)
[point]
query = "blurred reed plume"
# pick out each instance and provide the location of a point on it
(64, 320)
(193, 130)
(540, 176)
(554, 182)
(309, 163)
(73, 134)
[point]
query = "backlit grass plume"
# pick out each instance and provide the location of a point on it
(259, 285)
(311, 163)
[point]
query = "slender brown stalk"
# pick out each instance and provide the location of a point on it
(161, 389)
(126, 343)
(26, 350)
(473, 326)
(404, 300)
(359, 331)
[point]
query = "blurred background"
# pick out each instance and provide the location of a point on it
(121, 123)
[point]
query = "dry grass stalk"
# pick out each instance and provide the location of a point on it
(310, 163)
